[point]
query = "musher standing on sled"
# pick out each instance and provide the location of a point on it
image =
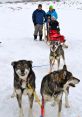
(38, 17)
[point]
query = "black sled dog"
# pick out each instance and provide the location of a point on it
(55, 84)
(23, 78)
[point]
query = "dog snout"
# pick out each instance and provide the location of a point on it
(22, 72)
(54, 47)
(77, 80)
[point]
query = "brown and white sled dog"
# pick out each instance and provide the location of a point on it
(55, 84)
(23, 77)
(56, 52)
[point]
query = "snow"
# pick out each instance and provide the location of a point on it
(16, 35)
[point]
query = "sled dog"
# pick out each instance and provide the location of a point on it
(23, 78)
(55, 84)
(56, 52)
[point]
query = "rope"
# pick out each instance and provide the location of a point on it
(42, 107)
(40, 65)
(38, 100)
(36, 96)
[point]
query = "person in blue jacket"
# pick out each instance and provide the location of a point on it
(38, 18)
(52, 12)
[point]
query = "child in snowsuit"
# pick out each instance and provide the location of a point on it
(54, 24)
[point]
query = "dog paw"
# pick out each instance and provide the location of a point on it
(21, 114)
(30, 114)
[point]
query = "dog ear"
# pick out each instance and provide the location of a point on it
(30, 63)
(50, 43)
(13, 63)
(64, 71)
(64, 74)
(65, 68)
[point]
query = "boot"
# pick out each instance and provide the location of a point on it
(40, 37)
(35, 37)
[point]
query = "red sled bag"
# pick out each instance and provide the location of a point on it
(55, 36)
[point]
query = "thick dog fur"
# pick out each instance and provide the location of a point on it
(56, 52)
(23, 77)
(54, 84)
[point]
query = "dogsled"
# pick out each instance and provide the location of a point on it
(55, 36)
(53, 31)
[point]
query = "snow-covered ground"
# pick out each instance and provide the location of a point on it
(16, 34)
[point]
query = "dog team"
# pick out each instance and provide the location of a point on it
(54, 84)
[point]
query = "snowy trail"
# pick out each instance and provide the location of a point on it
(16, 34)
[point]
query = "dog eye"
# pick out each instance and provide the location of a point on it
(25, 65)
(18, 66)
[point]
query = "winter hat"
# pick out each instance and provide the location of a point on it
(40, 5)
(51, 7)
(53, 18)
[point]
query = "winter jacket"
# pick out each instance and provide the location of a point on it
(38, 16)
(54, 25)
(52, 13)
